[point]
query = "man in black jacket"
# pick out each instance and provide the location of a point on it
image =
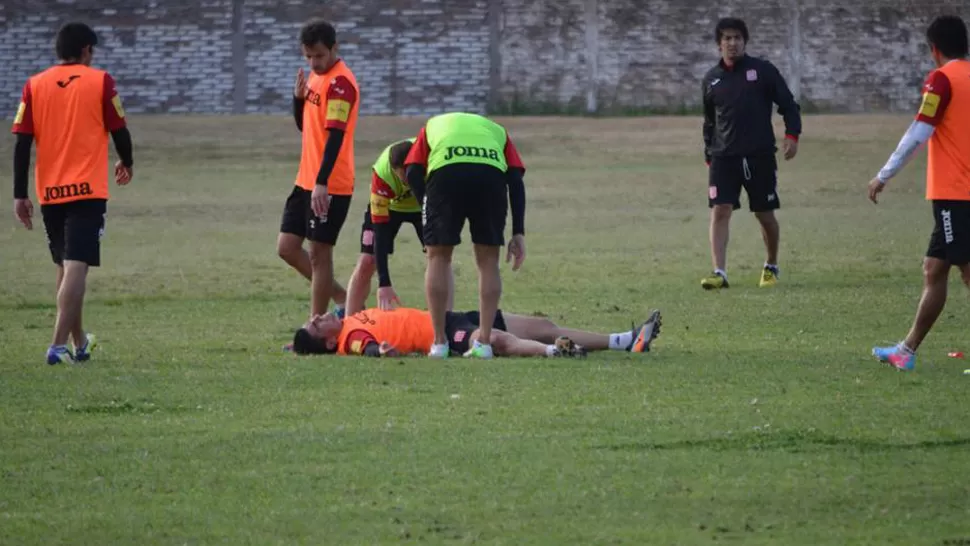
(739, 145)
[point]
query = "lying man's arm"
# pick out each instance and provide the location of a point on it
(363, 343)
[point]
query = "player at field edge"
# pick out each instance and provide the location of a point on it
(461, 167)
(943, 120)
(325, 108)
(391, 205)
(70, 109)
(403, 331)
(740, 146)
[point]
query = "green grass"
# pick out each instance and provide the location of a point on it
(760, 417)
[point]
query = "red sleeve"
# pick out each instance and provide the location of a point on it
(357, 341)
(114, 113)
(23, 122)
(512, 157)
(380, 198)
(936, 97)
(419, 151)
(341, 97)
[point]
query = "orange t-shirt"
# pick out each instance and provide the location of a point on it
(332, 102)
(70, 109)
(407, 330)
(946, 106)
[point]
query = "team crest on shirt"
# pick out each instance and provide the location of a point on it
(752, 75)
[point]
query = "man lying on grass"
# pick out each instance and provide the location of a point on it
(404, 331)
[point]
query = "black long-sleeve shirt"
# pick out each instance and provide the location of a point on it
(737, 108)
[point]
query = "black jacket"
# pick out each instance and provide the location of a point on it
(737, 108)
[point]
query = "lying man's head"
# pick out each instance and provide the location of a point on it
(318, 336)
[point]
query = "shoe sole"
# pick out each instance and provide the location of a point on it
(655, 322)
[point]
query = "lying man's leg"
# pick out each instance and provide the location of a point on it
(506, 344)
(545, 331)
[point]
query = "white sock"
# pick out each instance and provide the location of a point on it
(551, 350)
(619, 342)
(905, 348)
(721, 272)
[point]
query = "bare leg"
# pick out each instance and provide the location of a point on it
(290, 249)
(545, 331)
(771, 233)
(70, 300)
(359, 285)
(438, 288)
(322, 283)
(489, 287)
(936, 272)
(719, 234)
(965, 274)
(505, 344)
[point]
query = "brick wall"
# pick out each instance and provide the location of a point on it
(424, 56)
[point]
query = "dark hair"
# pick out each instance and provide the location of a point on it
(72, 38)
(318, 31)
(399, 152)
(730, 23)
(306, 344)
(948, 33)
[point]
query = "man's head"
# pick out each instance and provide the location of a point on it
(947, 36)
(318, 39)
(731, 35)
(75, 43)
(318, 336)
(399, 152)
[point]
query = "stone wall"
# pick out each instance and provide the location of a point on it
(417, 57)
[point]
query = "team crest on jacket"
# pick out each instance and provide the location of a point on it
(752, 75)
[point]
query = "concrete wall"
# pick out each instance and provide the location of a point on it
(529, 56)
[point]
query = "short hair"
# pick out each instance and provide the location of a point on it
(399, 152)
(730, 23)
(71, 40)
(318, 31)
(948, 33)
(305, 344)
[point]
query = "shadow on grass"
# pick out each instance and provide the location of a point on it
(792, 442)
(115, 407)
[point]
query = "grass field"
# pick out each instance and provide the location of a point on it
(759, 418)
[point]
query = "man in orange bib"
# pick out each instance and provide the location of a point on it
(403, 331)
(943, 121)
(70, 109)
(325, 108)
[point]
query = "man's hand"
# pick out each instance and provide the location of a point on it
(122, 174)
(516, 249)
(387, 298)
(299, 88)
(319, 201)
(24, 210)
(790, 146)
(875, 187)
(388, 350)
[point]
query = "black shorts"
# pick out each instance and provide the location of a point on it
(950, 240)
(298, 218)
(397, 219)
(459, 327)
(74, 230)
(476, 192)
(758, 175)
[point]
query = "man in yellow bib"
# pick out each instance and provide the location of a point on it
(465, 166)
(392, 204)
